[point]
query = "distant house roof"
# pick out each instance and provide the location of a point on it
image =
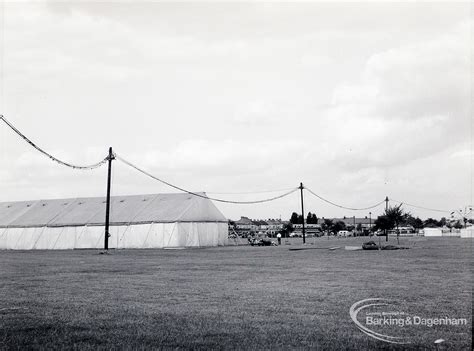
(131, 209)
(350, 220)
(259, 222)
(243, 221)
(247, 221)
(274, 222)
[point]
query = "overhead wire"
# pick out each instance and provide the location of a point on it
(87, 167)
(420, 207)
(288, 190)
(121, 159)
(341, 206)
(249, 192)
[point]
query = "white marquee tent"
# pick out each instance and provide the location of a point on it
(467, 233)
(432, 232)
(137, 221)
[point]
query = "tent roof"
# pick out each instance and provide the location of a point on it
(131, 209)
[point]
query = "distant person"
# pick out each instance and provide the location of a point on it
(279, 238)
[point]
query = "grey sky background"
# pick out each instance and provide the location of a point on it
(356, 100)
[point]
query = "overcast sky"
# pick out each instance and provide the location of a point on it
(356, 100)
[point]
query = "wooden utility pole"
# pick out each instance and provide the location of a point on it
(370, 223)
(386, 208)
(107, 206)
(302, 212)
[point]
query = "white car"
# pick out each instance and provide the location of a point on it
(344, 233)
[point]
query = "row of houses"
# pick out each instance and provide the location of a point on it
(273, 226)
(351, 223)
(363, 222)
(269, 226)
(355, 225)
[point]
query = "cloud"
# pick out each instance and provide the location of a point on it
(411, 103)
(428, 78)
(219, 157)
(256, 112)
(356, 100)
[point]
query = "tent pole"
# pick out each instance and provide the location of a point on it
(107, 206)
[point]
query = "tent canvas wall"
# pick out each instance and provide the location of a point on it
(450, 234)
(467, 233)
(432, 232)
(136, 221)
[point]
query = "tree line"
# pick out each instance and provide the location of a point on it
(392, 218)
(311, 218)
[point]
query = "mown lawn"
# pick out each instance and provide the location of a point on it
(238, 297)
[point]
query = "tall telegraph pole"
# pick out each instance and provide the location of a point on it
(370, 223)
(302, 212)
(107, 208)
(386, 208)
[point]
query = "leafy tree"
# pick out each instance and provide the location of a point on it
(294, 218)
(383, 223)
(339, 225)
(312, 218)
(416, 223)
(431, 223)
(442, 222)
(396, 215)
(458, 225)
(327, 225)
(287, 229)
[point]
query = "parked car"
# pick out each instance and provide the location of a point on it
(370, 246)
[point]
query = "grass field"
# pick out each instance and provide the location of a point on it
(236, 297)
